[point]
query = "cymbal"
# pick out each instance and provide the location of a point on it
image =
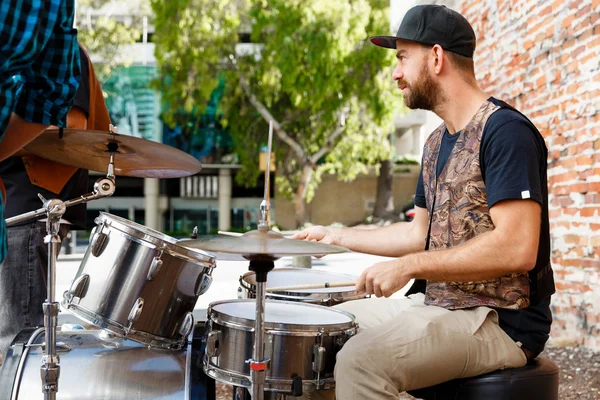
(132, 156)
(261, 245)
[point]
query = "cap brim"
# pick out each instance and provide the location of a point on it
(388, 42)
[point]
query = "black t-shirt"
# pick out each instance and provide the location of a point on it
(22, 195)
(513, 166)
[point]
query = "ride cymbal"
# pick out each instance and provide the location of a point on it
(132, 156)
(257, 245)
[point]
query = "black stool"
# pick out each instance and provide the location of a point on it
(537, 380)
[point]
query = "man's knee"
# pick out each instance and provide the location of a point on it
(351, 356)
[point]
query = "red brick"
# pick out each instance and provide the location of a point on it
(590, 211)
(546, 11)
(567, 21)
(579, 188)
(594, 187)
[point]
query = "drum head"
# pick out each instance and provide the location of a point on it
(299, 276)
(283, 312)
(145, 234)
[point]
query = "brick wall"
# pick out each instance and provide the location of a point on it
(543, 57)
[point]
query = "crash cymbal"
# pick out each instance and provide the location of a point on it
(257, 245)
(132, 156)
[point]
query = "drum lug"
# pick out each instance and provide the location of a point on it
(204, 284)
(136, 310)
(79, 286)
(186, 326)
(155, 266)
(97, 244)
(319, 354)
(213, 340)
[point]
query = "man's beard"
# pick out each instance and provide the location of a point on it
(423, 94)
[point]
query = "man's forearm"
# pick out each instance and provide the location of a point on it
(487, 256)
(18, 134)
(391, 241)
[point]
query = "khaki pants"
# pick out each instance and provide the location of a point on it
(406, 345)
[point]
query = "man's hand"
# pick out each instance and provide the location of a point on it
(383, 279)
(316, 233)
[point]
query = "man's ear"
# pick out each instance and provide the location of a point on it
(437, 55)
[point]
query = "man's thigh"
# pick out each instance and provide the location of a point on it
(377, 311)
(424, 346)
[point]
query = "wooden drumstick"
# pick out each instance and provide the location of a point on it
(230, 233)
(311, 286)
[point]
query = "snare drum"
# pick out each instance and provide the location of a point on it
(139, 283)
(300, 276)
(301, 340)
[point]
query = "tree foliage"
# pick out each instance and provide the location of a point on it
(309, 68)
(104, 35)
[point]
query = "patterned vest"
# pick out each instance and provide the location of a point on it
(457, 205)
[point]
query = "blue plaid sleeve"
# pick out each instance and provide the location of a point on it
(52, 79)
(37, 43)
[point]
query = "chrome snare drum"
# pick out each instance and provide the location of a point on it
(139, 283)
(300, 276)
(301, 340)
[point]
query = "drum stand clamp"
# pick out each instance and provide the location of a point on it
(54, 209)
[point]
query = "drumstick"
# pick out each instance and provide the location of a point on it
(227, 233)
(230, 233)
(311, 286)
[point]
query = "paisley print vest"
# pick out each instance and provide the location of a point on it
(458, 207)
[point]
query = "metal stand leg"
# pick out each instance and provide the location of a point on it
(50, 369)
(54, 210)
(259, 364)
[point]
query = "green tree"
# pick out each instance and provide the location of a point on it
(104, 35)
(311, 70)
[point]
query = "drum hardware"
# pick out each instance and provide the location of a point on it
(79, 287)
(155, 266)
(186, 326)
(135, 312)
(318, 363)
(54, 209)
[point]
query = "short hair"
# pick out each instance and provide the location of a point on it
(464, 64)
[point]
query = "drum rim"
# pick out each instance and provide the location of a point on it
(118, 329)
(274, 385)
(155, 237)
(278, 328)
(335, 294)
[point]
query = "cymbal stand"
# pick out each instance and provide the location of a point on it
(261, 266)
(54, 209)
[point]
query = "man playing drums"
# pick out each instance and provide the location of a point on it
(481, 299)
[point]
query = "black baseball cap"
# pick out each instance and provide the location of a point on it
(432, 24)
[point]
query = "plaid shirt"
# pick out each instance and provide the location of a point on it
(39, 45)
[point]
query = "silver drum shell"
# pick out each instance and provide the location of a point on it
(290, 347)
(138, 283)
(95, 365)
